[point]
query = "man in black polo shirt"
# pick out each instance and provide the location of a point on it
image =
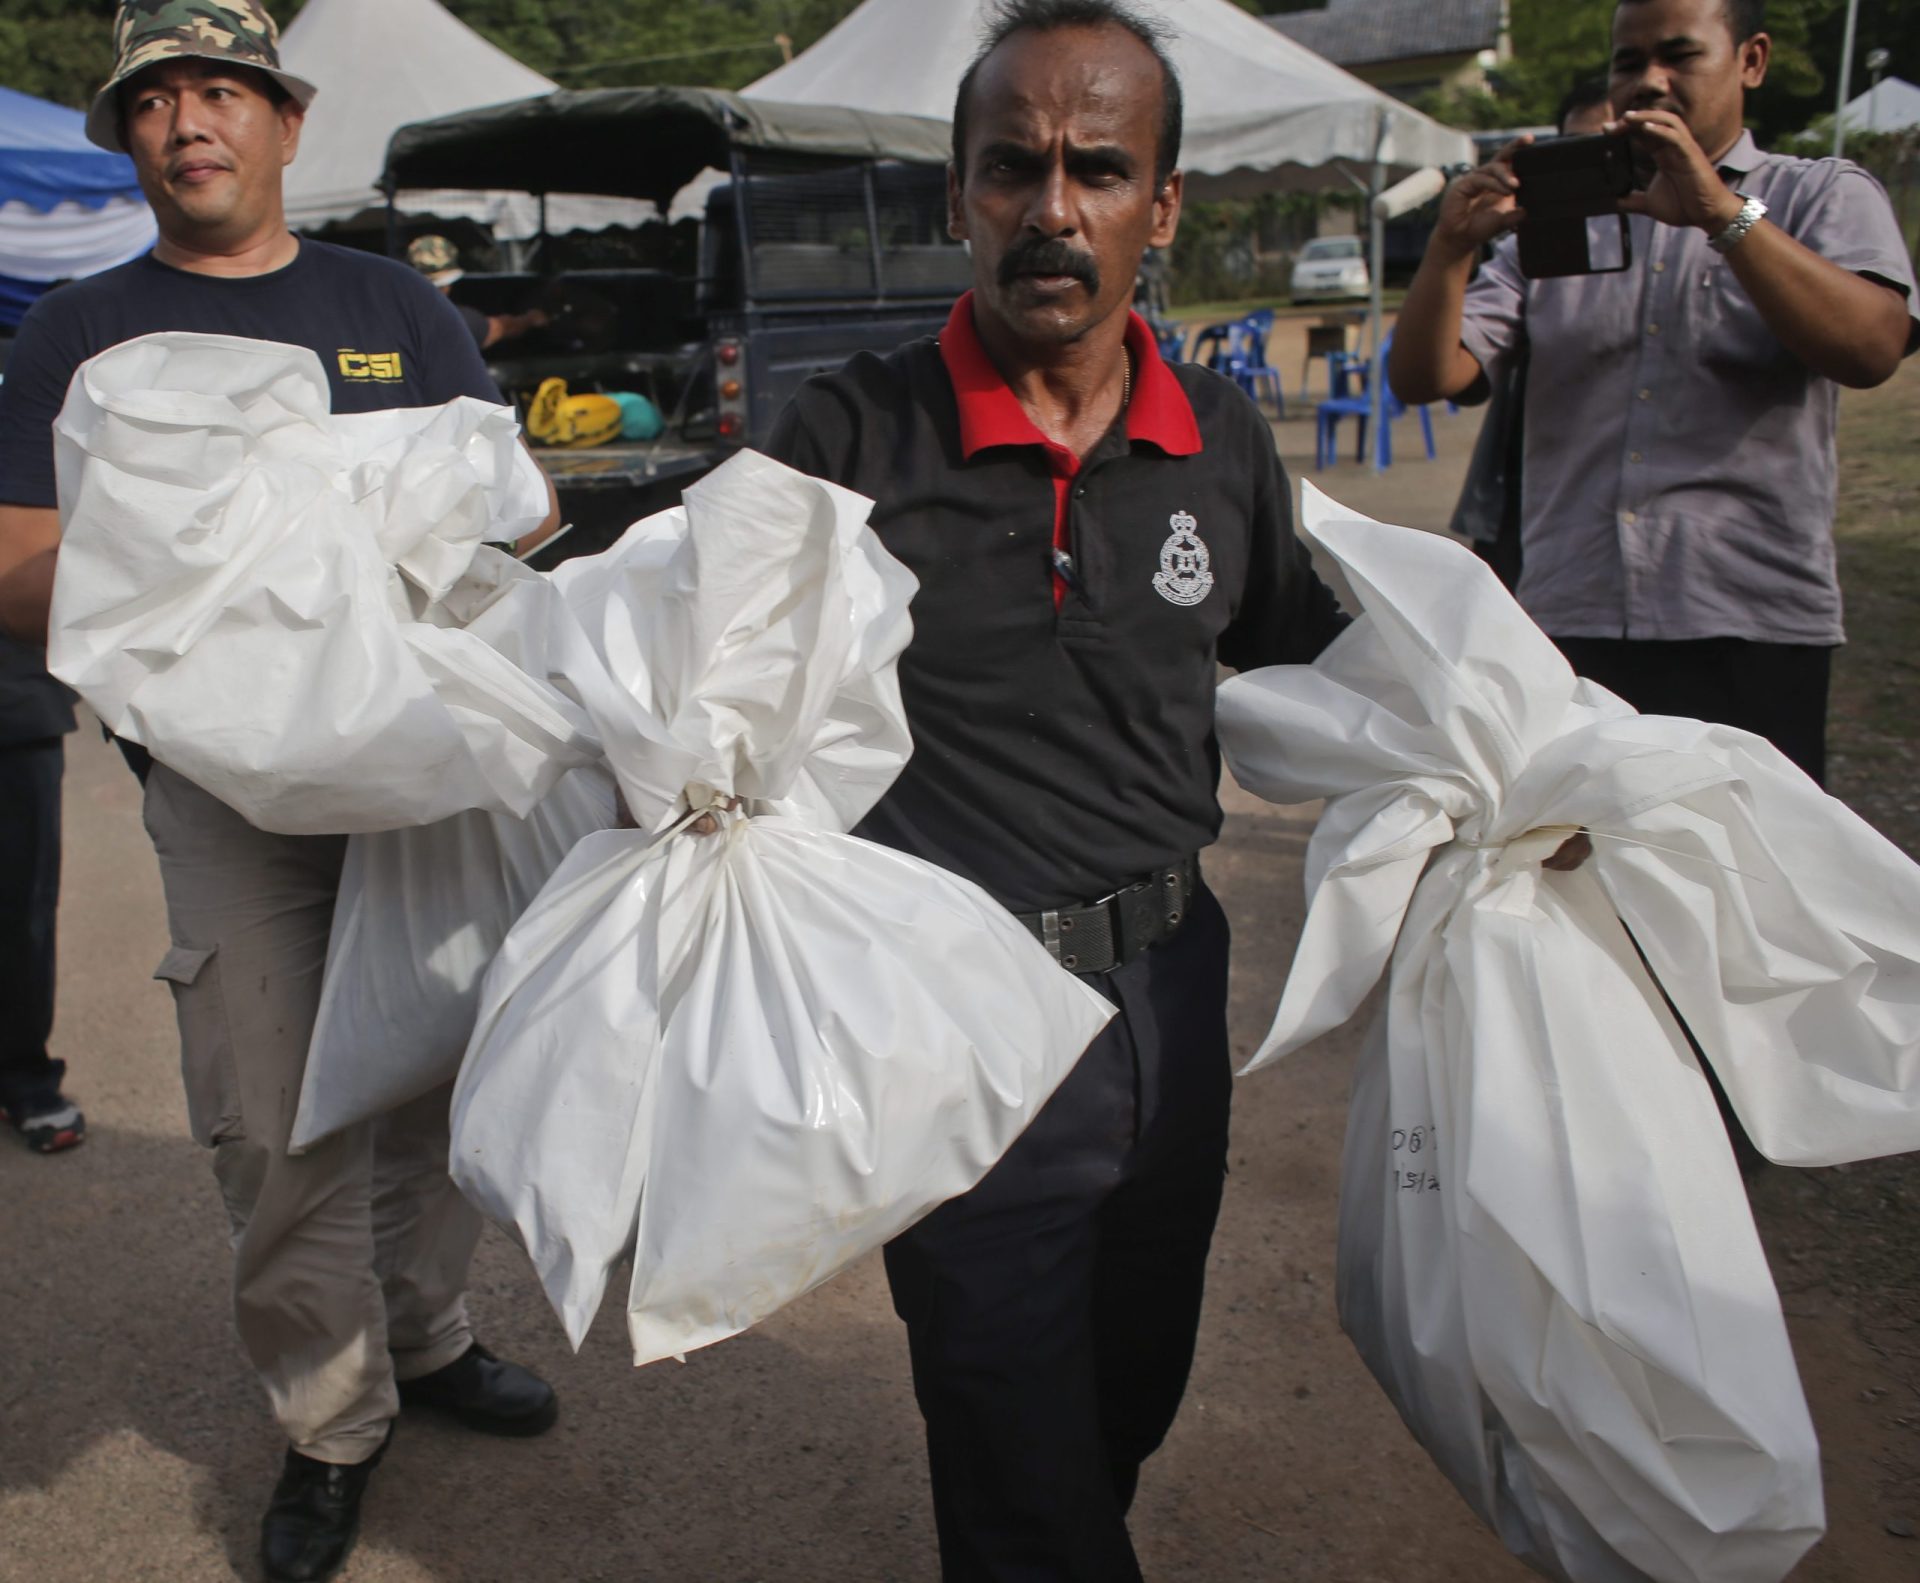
(1092, 529)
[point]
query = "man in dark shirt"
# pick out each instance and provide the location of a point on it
(1093, 530)
(349, 1260)
(439, 260)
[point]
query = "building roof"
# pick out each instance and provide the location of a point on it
(1368, 32)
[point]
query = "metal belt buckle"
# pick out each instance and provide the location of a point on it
(1050, 933)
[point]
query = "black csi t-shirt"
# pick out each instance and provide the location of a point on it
(386, 337)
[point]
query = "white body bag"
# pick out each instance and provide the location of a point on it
(748, 1058)
(297, 611)
(1546, 1255)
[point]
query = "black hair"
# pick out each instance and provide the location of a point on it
(1744, 17)
(1583, 95)
(1047, 16)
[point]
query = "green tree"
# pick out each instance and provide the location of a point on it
(56, 49)
(1557, 43)
(61, 49)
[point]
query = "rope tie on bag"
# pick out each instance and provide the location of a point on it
(708, 812)
(1530, 846)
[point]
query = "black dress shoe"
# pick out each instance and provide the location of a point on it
(314, 1517)
(486, 1394)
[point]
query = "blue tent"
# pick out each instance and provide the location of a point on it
(66, 207)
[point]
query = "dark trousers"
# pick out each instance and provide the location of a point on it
(1503, 555)
(1775, 690)
(1051, 1312)
(29, 893)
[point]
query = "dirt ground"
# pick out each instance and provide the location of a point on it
(134, 1445)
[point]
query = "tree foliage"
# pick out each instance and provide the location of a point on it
(1556, 43)
(55, 49)
(58, 49)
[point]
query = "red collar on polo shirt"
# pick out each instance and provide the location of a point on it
(990, 413)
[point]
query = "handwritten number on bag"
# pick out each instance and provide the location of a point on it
(1411, 1141)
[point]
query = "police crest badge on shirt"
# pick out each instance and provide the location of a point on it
(1186, 569)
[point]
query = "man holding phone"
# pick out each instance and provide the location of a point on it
(1679, 471)
(1488, 512)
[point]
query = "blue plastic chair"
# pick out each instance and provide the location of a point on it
(1393, 407)
(1359, 405)
(1343, 368)
(1327, 417)
(1212, 345)
(1237, 348)
(1253, 370)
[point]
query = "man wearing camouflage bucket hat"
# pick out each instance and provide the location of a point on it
(350, 1260)
(439, 260)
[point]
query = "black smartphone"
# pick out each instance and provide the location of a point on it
(1564, 182)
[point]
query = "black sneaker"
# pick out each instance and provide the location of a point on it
(48, 1125)
(487, 1394)
(314, 1517)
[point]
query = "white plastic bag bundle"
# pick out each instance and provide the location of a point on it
(750, 1057)
(1546, 1255)
(296, 610)
(420, 914)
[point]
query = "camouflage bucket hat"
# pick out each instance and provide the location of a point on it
(436, 258)
(148, 31)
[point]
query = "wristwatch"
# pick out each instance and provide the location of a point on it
(1751, 210)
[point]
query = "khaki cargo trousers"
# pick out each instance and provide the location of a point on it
(350, 1260)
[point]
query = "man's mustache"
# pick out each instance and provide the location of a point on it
(1049, 255)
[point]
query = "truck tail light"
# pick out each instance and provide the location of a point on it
(730, 389)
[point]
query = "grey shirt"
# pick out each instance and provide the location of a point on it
(1679, 470)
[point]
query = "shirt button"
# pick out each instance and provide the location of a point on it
(1629, 517)
(1635, 457)
(1660, 267)
(1646, 395)
(1653, 329)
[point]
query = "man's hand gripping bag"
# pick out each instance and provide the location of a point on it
(747, 1058)
(1546, 1255)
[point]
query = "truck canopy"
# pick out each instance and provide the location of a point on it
(640, 142)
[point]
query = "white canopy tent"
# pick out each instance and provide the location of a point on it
(382, 63)
(1890, 105)
(1263, 113)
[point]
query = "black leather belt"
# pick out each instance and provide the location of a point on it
(1103, 935)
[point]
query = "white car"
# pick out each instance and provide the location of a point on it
(1330, 268)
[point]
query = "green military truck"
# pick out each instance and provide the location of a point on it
(823, 234)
